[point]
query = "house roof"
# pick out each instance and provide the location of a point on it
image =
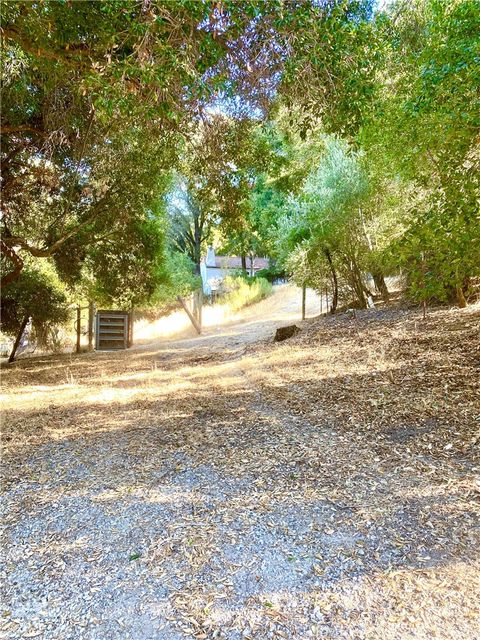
(231, 262)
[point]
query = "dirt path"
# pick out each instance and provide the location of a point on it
(249, 325)
(212, 488)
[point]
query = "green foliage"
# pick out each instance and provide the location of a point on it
(36, 294)
(95, 100)
(272, 273)
(335, 138)
(308, 267)
(219, 170)
(426, 133)
(439, 254)
(85, 145)
(331, 70)
(333, 192)
(181, 281)
(191, 217)
(128, 271)
(409, 201)
(267, 203)
(322, 237)
(242, 291)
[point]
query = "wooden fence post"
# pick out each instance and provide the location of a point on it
(200, 305)
(193, 320)
(304, 296)
(197, 306)
(130, 328)
(91, 313)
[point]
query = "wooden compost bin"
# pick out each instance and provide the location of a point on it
(111, 330)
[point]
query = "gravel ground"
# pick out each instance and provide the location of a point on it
(226, 487)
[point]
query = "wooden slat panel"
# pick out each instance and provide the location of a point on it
(111, 331)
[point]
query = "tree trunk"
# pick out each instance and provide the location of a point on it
(17, 339)
(381, 285)
(78, 328)
(462, 303)
(252, 267)
(197, 249)
(359, 293)
(130, 328)
(244, 261)
(334, 280)
(197, 305)
(356, 282)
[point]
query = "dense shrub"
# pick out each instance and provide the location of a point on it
(272, 273)
(35, 295)
(181, 280)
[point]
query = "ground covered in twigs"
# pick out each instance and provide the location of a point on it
(223, 487)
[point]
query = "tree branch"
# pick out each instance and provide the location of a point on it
(18, 241)
(23, 127)
(17, 262)
(61, 55)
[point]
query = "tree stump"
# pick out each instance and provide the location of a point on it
(283, 333)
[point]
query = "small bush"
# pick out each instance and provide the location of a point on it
(274, 272)
(242, 292)
(37, 295)
(180, 281)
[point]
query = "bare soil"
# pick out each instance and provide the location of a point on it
(226, 486)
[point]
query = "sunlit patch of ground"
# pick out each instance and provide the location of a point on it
(283, 305)
(225, 486)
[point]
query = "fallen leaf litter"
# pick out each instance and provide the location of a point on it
(323, 487)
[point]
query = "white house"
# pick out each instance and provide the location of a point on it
(214, 269)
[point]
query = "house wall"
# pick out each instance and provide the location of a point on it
(213, 273)
(210, 273)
